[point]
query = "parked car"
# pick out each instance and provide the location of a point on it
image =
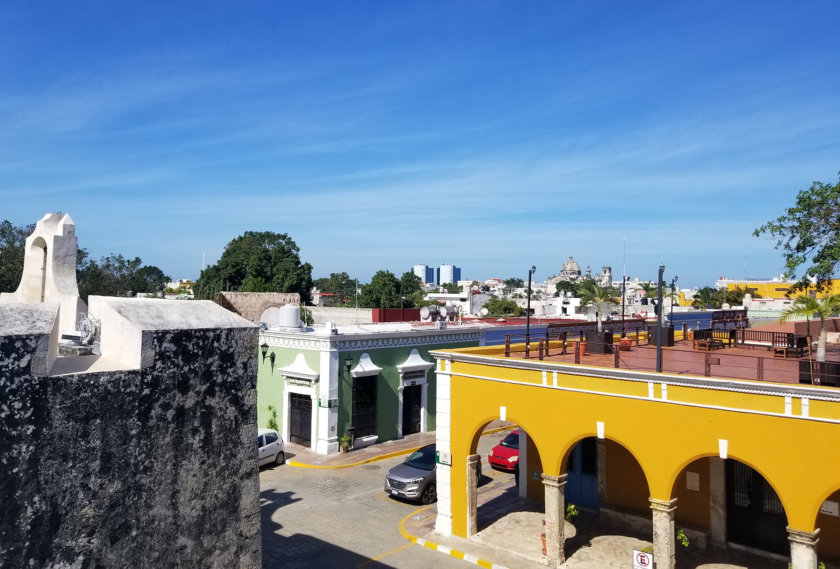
(505, 455)
(271, 447)
(414, 479)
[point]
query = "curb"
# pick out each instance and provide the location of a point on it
(359, 463)
(444, 549)
(383, 456)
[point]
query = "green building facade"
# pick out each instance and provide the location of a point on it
(372, 382)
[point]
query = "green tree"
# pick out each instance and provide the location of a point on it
(116, 275)
(651, 292)
(600, 297)
(512, 284)
(704, 298)
(451, 288)
(411, 289)
(498, 307)
(734, 296)
(563, 287)
(148, 278)
(12, 248)
(383, 291)
(267, 261)
(807, 307)
(809, 234)
(339, 284)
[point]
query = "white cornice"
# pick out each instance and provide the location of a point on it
(353, 342)
(365, 367)
(414, 362)
(379, 342)
(300, 369)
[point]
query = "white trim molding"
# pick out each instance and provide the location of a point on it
(365, 367)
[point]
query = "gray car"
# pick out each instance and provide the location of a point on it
(414, 479)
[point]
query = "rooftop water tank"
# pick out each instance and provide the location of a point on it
(290, 316)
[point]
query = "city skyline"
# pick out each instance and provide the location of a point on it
(381, 135)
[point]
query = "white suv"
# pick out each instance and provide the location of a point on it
(271, 447)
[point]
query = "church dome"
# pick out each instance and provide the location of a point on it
(571, 268)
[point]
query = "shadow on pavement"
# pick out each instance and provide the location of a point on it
(301, 550)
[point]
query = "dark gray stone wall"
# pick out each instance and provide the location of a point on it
(147, 468)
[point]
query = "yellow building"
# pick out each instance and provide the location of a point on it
(774, 288)
(729, 461)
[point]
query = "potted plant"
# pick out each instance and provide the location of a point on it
(343, 443)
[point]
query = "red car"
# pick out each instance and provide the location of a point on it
(505, 456)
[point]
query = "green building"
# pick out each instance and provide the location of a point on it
(373, 382)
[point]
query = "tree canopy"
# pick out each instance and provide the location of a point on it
(257, 262)
(115, 275)
(808, 234)
(383, 291)
(339, 284)
(498, 307)
(12, 241)
(600, 297)
(575, 287)
(807, 307)
(451, 288)
(410, 284)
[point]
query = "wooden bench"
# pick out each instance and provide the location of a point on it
(709, 344)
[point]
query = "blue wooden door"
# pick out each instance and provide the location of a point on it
(582, 471)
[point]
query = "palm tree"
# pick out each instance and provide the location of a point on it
(703, 298)
(593, 294)
(808, 307)
(651, 291)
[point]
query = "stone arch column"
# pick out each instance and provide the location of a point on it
(555, 514)
(664, 548)
(803, 548)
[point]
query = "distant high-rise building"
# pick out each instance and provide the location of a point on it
(448, 274)
(425, 273)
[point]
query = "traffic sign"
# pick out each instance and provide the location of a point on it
(642, 560)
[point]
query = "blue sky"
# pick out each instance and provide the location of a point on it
(489, 135)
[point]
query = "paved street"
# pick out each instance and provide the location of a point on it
(313, 517)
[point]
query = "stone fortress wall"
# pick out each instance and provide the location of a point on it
(142, 455)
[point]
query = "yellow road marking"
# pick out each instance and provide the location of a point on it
(377, 558)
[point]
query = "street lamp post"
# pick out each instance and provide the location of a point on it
(531, 271)
(673, 290)
(659, 321)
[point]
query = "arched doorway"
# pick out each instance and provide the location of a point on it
(755, 516)
(582, 474)
(828, 521)
(509, 494)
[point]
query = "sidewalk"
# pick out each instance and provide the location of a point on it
(509, 537)
(303, 457)
(508, 523)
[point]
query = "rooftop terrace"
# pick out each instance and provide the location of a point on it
(684, 358)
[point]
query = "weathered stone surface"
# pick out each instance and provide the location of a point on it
(251, 305)
(131, 468)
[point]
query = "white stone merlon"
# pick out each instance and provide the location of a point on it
(49, 270)
(123, 321)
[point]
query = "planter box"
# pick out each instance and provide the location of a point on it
(599, 343)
